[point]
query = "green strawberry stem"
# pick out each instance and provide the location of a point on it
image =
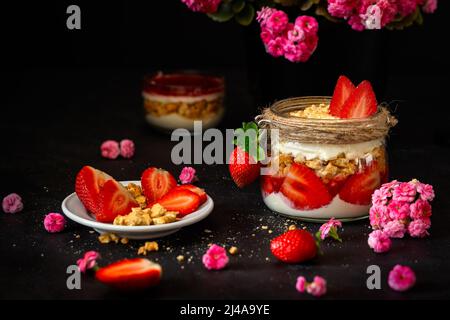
(247, 138)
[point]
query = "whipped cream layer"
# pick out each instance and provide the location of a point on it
(186, 99)
(338, 208)
(326, 151)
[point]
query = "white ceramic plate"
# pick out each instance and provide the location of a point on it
(75, 210)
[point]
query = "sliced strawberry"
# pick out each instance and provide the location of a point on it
(359, 187)
(130, 274)
(342, 91)
(199, 191)
(362, 103)
(183, 201)
(335, 184)
(156, 183)
(243, 167)
(271, 183)
(115, 200)
(304, 189)
(88, 183)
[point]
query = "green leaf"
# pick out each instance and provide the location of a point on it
(321, 10)
(245, 17)
(407, 21)
(333, 234)
(307, 4)
(224, 13)
(238, 5)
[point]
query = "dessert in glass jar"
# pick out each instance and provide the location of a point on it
(321, 165)
(176, 100)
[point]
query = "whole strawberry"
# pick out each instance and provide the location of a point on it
(294, 246)
(243, 168)
(244, 162)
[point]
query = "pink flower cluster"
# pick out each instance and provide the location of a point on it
(330, 229)
(204, 6)
(401, 278)
(89, 261)
(111, 149)
(316, 288)
(295, 41)
(54, 222)
(376, 14)
(215, 258)
(12, 203)
(187, 175)
(399, 208)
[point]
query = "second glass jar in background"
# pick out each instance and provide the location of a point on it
(176, 100)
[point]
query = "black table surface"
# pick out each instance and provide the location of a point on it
(56, 125)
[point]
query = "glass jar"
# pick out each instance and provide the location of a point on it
(176, 100)
(321, 168)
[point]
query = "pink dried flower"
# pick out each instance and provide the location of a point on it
(330, 229)
(394, 229)
(215, 258)
(426, 191)
(301, 284)
(381, 196)
(203, 6)
(406, 7)
(405, 191)
(429, 6)
(398, 210)
(401, 278)
(295, 33)
(277, 21)
(307, 24)
(264, 14)
(418, 228)
(110, 149)
(372, 18)
(54, 222)
(420, 209)
(187, 175)
(379, 216)
(127, 148)
(12, 203)
(266, 36)
(318, 287)
(275, 47)
(88, 261)
(341, 8)
(379, 241)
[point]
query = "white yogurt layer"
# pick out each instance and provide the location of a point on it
(327, 151)
(174, 120)
(185, 99)
(338, 208)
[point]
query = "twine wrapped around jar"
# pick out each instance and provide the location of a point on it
(324, 131)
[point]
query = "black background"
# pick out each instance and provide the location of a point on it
(64, 92)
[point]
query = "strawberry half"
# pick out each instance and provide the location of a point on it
(335, 184)
(199, 191)
(183, 201)
(359, 187)
(342, 91)
(130, 274)
(304, 188)
(88, 183)
(156, 183)
(115, 200)
(271, 183)
(362, 103)
(243, 167)
(294, 246)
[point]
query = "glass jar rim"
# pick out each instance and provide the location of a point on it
(306, 101)
(180, 82)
